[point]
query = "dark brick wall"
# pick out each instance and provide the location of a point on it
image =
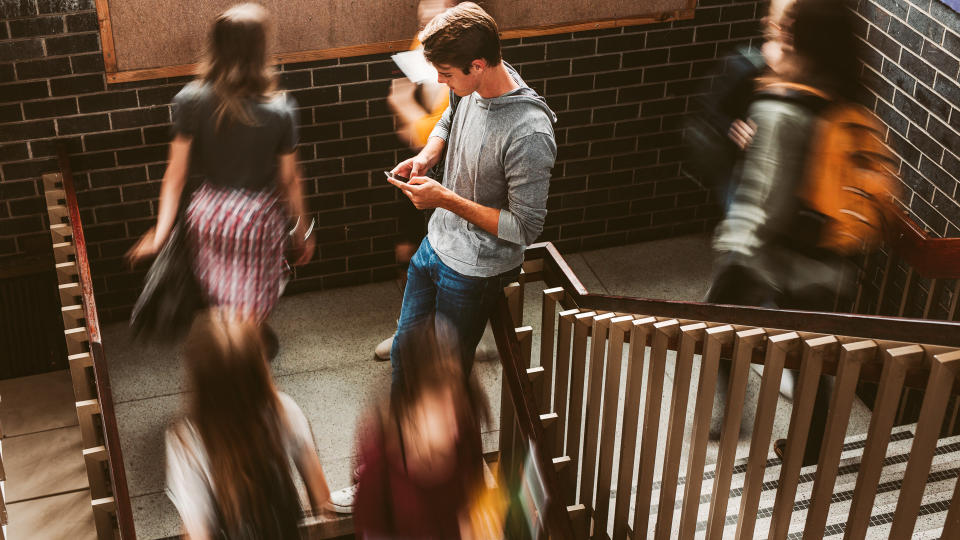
(621, 95)
(911, 62)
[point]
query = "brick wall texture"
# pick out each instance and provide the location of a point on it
(911, 62)
(622, 96)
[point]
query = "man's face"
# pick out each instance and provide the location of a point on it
(462, 84)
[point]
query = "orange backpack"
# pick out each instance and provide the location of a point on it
(850, 176)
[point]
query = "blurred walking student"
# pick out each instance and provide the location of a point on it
(242, 135)
(418, 108)
(497, 140)
(810, 194)
(719, 135)
(420, 469)
(228, 458)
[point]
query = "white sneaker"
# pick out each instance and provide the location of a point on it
(382, 352)
(342, 499)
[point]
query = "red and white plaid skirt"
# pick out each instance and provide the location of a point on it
(237, 241)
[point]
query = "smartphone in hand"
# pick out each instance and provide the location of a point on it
(396, 177)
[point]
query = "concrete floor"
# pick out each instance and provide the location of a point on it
(325, 364)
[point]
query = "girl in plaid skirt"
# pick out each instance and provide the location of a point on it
(234, 128)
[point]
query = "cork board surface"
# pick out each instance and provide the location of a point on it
(150, 34)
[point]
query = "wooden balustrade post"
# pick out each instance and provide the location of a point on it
(578, 364)
(640, 330)
(103, 512)
(94, 459)
(514, 292)
(548, 328)
(86, 411)
(883, 283)
(561, 391)
(952, 313)
(79, 363)
(550, 422)
(803, 401)
(619, 326)
(690, 336)
(508, 433)
(715, 340)
(777, 349)
(895, 365)
(591, 421)
(944, 373)
(663, 332)
(852, 357)
(952, 522)
(906, 292)
(744, 344)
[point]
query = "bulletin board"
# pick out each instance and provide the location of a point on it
(149, 39)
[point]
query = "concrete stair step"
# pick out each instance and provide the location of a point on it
(45, 463)
(37, 403)
(68, 515)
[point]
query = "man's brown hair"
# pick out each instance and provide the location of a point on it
(460, 35)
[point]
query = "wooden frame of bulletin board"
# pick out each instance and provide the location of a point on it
(114, 75)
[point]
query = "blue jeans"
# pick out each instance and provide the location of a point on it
(435, 291)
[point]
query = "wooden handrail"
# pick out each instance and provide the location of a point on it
(521, 393)
(111, 434)
(934, 332)
(929, 256)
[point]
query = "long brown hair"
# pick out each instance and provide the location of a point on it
(236, 65)
(430, 358)
(235, 408)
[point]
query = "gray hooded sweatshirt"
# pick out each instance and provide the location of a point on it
(500, 152)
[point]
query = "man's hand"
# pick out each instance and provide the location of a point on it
(419, 164)
(415, 166)
(424, 192)
(741, 133)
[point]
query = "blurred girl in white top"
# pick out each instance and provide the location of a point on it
(229, 458)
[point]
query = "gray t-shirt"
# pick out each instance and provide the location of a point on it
(236, 155)
(500, 154)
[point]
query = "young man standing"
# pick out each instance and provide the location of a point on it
(497, 137)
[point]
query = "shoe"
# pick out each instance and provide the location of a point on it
(382, 352)
(271, 343)
(780, 448)
(342, 500)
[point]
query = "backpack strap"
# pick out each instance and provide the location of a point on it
(809, 97)
(785, 87)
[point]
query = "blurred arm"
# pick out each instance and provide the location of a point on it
(174, 179)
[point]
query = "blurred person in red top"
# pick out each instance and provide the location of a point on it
(419, 453)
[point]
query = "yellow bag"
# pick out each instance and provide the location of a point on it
(488, 514)
(850, 175)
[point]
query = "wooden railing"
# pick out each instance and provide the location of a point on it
(913, 275)
(88, 369)
(521, 419)
(576, 387)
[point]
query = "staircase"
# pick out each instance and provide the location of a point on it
(46, 489)
(622, 398)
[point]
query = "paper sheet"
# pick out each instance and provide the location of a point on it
(415, 66)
